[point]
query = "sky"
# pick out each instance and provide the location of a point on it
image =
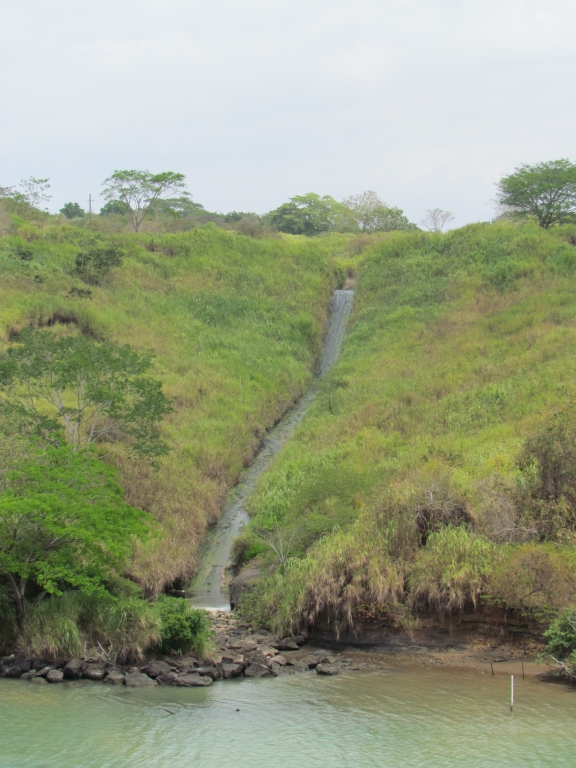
(426, 102)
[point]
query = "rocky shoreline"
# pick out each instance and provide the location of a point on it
(238, 652)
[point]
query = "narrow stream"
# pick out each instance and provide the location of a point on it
(210, 589)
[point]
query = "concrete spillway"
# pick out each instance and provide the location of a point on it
(210, 587)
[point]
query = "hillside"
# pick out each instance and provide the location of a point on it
(433, 475)
(235, 325)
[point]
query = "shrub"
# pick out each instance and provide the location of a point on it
(450, 572)
(548, 463)
(183, 629)
(561, 636)
(534, 579)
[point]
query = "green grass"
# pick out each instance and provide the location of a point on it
(236, 326)
(456, 345)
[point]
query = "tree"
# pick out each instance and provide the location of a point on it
(307, 214)
(96, 259)
(115, 208)
(35, 191)
(435, 219)
(72, 211)
(94, 390)
(177, 207)
(545, 191)
(139, 190)
(371, 214)
(63, 521)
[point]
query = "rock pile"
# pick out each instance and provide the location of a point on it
(238, 652)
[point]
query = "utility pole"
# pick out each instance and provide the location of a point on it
(90, 211)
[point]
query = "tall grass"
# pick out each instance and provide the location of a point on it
(117, 629)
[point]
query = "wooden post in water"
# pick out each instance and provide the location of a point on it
(522, 670)
(511, 692)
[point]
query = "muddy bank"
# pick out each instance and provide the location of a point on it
(476, 642)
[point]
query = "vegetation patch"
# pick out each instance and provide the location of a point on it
(434, 471)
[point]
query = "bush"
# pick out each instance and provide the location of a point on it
(561, 636)
(548, 464)
(182, 629)
(450, 572)
(534, 579)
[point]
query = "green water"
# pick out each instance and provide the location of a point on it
(397, 718)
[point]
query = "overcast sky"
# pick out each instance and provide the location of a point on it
(427, 102)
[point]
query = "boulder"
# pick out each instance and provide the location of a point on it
(166, 679)
(327, 669)
(232, 670)
(43, 671)
(38, 680)
(245, 646)
(258, 670)
(25, 665)
(28, 675)
(301, 638)
(286, 644)
(279, 660)
(157, 668)
(267, 650)
(94, 672)
(115, 678)
(192, 681)
(210, 671)
(55, 676)
(73, 670)
(251, 573)
(319, 657)
(138, 680)
(11, 671)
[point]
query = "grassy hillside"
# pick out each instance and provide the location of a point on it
(235, 325)
(417, 481)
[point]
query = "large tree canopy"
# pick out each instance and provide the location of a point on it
(546, 191)
(63, 522)
(94, 390)
(140, 190)
(307, 214)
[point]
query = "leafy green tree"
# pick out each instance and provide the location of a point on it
(115, 208)
(96, 260)
(94, 390)
(72, 211)
(308, 215)
(371, 214)
(182, 207)
(63, 522)
(545, 191)
(140, 190)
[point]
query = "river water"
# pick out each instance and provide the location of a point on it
(405, 717)
(209, 589)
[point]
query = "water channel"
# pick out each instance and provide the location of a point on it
(209, 589)
(404, 717)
